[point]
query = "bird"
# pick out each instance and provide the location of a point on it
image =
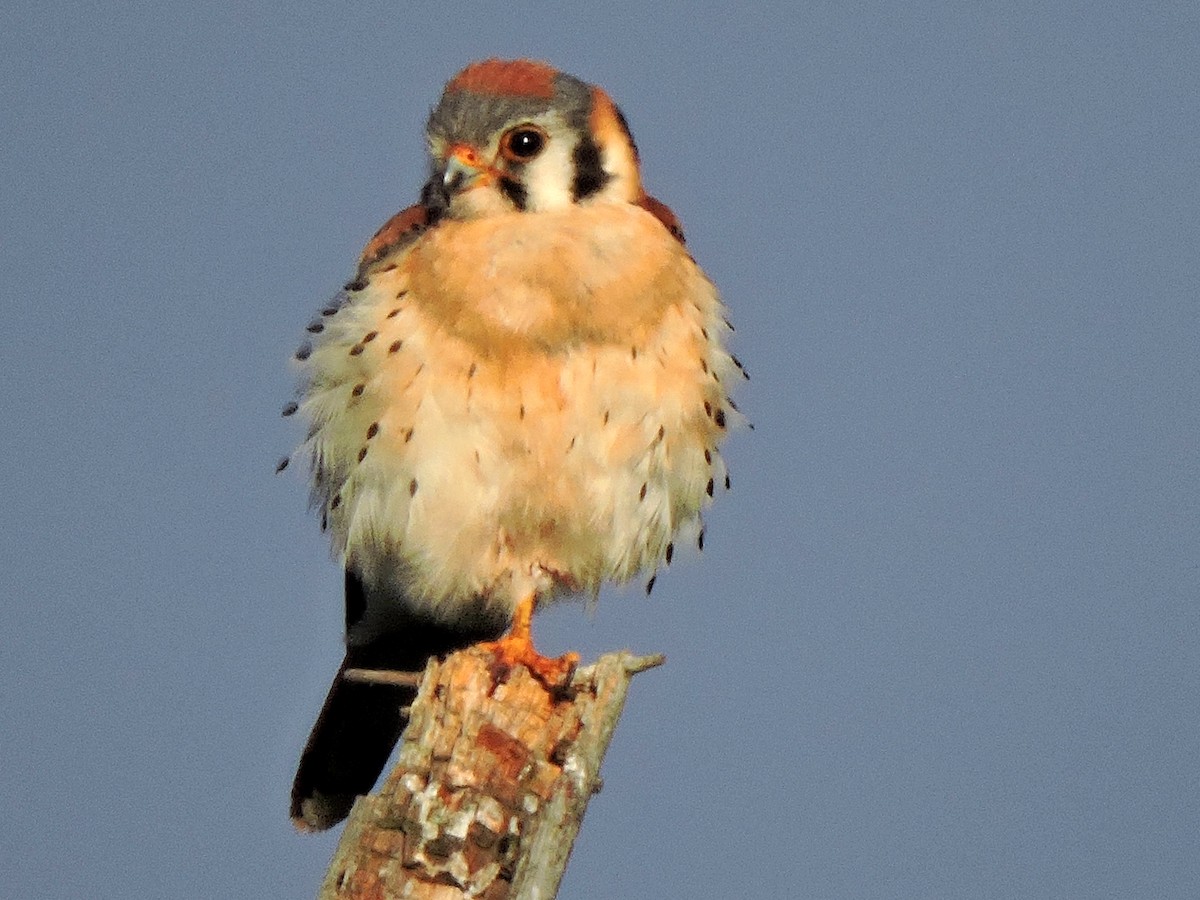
(520, 396)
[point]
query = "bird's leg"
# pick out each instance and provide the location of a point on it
(516, 649)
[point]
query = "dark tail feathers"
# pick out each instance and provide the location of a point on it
(359, 724)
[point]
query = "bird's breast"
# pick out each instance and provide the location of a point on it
(550, 279)
(503, 409)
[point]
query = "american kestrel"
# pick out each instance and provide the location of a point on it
(518, 398)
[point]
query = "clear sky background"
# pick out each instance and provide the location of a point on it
(944, 640)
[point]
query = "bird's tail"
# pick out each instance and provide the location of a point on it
(360, 723)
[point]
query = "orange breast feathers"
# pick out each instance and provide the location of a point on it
(541, 395)
(603, 274)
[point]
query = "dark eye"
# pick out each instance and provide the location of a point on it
(523, 144)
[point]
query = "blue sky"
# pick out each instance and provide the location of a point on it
(943, 640)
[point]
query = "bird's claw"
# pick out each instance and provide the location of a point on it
(517, 650)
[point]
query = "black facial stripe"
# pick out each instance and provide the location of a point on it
(589, 171)
(435, 198)
(514, 191)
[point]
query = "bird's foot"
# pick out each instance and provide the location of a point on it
(514, 650)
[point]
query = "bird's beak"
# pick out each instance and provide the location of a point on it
(465, 169)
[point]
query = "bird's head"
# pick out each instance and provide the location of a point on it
(519, 135)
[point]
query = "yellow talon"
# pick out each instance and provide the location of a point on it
(516, 649)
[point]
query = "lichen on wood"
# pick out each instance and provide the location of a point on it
(494, 773)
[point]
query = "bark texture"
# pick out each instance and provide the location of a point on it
(493, 778)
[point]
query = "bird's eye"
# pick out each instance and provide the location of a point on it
(523, 143)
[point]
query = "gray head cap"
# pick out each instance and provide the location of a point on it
(487, 96)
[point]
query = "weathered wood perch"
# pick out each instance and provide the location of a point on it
(490, 787)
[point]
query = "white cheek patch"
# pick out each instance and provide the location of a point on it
(549, 178)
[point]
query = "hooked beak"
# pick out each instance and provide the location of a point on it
(465, 169)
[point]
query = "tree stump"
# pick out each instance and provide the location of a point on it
(490, 788)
